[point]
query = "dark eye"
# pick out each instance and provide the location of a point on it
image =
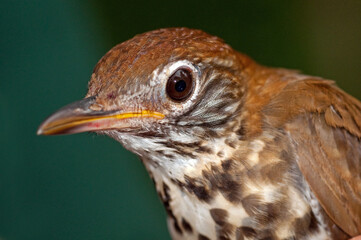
(180, 84)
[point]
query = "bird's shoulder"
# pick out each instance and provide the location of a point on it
(305, 95)
(324, 125)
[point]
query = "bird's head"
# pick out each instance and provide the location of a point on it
(170, 85)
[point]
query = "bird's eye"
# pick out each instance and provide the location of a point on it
(180, 84)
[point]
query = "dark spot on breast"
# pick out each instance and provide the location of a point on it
(252, 233)
(186, 225)
(241, 132)
(188, 145)
(166, 196)
(230, 189)
(226, 165)
(273, 211)
(225, 178)
(203, 149)
(220, 154)
(225, 231)
(300, 225)
(180, 184)
(170, 157)
(224, 182)
(198, 188)
(200, 192)
(166, 200)
(185, 149)
(219, 215)
(223, 228)
(213, 133)
(264, 212)
(176, 226)
(149, 134)
(251, 203)
(247, 232)
(161, 152)
(305, 224)
(202, 237)
(230, 142)
(269, 238)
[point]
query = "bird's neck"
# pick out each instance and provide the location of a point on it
(180, 155)
(201, 183)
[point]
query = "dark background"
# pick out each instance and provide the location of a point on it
(87, 186)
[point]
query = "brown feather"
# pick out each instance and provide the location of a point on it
(325, 126)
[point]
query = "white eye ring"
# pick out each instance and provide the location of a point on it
(161, 79)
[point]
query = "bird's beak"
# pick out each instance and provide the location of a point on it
(78, 117)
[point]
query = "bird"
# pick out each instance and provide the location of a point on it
(236, 150)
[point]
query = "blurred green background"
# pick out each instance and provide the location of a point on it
(86, 186)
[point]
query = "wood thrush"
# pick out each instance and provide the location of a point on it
(236, 150)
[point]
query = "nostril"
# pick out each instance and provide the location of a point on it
(96, 107)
